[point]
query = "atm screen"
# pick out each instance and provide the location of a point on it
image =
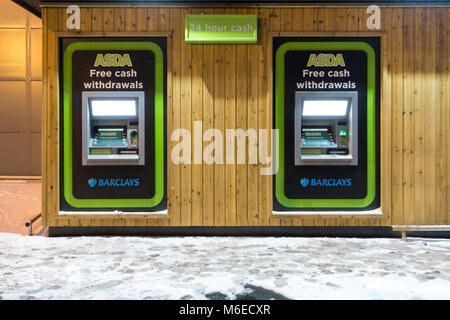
(110, 133)
(109, 137)
(315, 133)
(317, 137)
(113, 108)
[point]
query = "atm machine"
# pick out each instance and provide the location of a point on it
(326, 128)
(113, 128)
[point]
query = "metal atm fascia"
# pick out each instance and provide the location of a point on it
(351, 117)
(122, 159)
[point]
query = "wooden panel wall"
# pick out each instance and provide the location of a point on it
(229, 86)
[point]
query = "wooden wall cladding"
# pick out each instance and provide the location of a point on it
(230, 86)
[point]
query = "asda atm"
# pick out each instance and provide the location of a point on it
(113, 118)
(326, 108)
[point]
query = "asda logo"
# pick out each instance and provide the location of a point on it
(113, 60)
(325, 182)
(111, 182)
(326, 60)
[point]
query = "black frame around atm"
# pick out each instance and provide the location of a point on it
(375, 42)
(64, 42)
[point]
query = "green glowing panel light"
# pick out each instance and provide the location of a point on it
(343, 133)
(221, 28)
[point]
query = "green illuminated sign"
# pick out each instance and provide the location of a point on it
(343, 133)
(221, 28)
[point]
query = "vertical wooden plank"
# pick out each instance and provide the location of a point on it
(52, 115)
(186, 111)
(341, 19)
(197, 115)
(275, 18)
(319, 19)
(86, 19)
(307, 19)
(241, 123)
(141, 19)
(163, 19)
(175, 120)
(297, 19)
(362, 19)
(397, 103)
(219, 123)
(442, 110)
(330, 19)
(447, 109)
(153, 18)
(62, 20)
(408, 116)
(385, 117)
(230, 123)
(108, 19)
(46, 215)
(430, 116)
(119, 19)
(252, 124)
(352, 19)
(208, 122)
(286, 18)
(264, 108)
(97, 19)
(130, 19)
(419, 117)
(44, 121)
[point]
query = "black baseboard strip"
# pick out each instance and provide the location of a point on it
(345, 232)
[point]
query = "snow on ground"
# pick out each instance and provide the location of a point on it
(222, 267)
(19, 201)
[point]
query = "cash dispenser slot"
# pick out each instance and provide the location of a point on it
(326, 128)
(113, 128)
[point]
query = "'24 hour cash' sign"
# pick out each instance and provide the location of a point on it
(221, 28)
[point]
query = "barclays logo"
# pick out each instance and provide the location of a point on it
(304, 182)
(92, 182)
(113, 182)
(325, 182)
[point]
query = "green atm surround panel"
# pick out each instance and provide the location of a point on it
(131, 177)
(326, 186)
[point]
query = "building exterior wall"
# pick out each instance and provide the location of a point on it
(230, 86)
(20, 91)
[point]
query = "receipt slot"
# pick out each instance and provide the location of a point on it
(113, 128)
(326, 128)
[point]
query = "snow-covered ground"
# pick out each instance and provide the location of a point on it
(222, 267)
(19, 201)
